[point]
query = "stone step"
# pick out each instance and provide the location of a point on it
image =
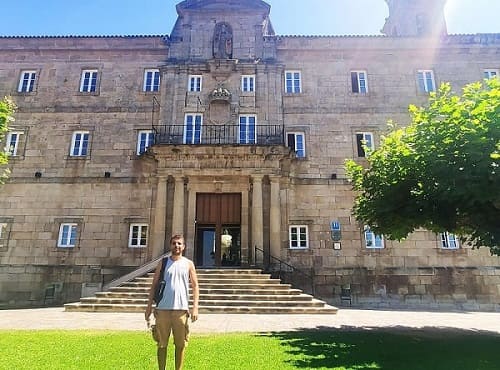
(221, 276)
(325, 309)
(207, 303)
(268, 281)
(220, 296)
(224, 272)
(240, 287)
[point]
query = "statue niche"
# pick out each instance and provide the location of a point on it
(223, 41)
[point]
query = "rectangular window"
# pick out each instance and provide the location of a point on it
(299, 238)
(88, 81)
(490, 73)
(145, 139)
(426, 82)
(27, 82)
(364, 143)
(372, 240)
(194, 83)
(449, 241)
(138, 236)
(67, 235)
(79, 144)
(12, 143)
(293, 82)
(192, 129)
(247, 130)
(296, 142)
(3, 230)
(248, 83)
(151, 80)
(4, 234)
(359, 82)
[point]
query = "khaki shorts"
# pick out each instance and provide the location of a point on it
(175, 321)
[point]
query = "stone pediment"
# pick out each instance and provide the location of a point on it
(222, 5)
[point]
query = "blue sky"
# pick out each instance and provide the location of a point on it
(289, 17)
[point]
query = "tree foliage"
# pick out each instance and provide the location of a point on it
(442, 172)
(7, 108)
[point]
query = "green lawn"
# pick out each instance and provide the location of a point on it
(356, 350)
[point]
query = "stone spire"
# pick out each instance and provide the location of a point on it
(415, 18)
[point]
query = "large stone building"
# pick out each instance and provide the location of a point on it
(235, 137)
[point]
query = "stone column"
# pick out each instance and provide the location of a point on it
(178, 212)
(257, 217)
(158, 232)
(275, 216)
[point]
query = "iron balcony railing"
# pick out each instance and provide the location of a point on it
(219, 134)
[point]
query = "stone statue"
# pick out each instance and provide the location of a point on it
(223, 41)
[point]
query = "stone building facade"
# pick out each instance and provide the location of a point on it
(233, 136)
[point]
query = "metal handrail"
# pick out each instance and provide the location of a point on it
(232, 134)
(140, 271)
(282, 268)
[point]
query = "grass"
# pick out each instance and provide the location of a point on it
(340, 350)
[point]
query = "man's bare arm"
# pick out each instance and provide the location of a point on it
(193, 278)
(156, 278)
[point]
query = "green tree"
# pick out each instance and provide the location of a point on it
(442, 172)
(7, 108)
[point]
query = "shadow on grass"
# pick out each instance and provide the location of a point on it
(396, 348)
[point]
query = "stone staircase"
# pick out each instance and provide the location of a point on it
(221, 291)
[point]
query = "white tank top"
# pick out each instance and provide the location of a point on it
(176, 293)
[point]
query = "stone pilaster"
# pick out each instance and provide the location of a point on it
(275, 218)
(257, 214)
(158, 232)
(178, 212)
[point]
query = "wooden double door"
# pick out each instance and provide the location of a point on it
(218, 230)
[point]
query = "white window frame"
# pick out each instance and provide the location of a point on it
(137, 239)
(86, 85)
(426, 81)
(69, 240)
(245, 123)
(359, 82)
(145, 138)
(491, 73)
(301, 241)
(195, 138)
(449, 241)
(11, 144)
(3, 234)
(372, 240)
(366, 141)
(299, 152)
(248, 83)
(293, 82)
(28, 76)
(195, 83)
(152, 80)
(81, 149)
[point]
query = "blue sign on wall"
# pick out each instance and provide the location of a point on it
(335, 225)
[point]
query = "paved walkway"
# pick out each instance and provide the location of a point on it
(57, 318)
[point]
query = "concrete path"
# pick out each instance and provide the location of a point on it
(57, 318)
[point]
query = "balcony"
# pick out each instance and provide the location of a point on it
(229, 134)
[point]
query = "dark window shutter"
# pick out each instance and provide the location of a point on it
(359, 143)
(291, 141)
(354, 80)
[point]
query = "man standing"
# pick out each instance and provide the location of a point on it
(172, 312)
